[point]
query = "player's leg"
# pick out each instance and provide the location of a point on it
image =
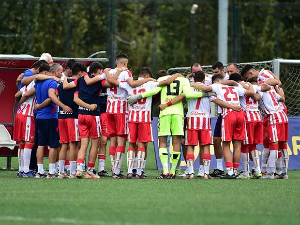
(112, 132)
(282, 138)
(201, 167)
(237, 156)
(62, 159)
(205, 142)
(53, 137)
(73, 152)
(218, 149)
(255, 159)
(21, 159)
(191, 140)
(266, 150)
(163, 133)
(177, 123)
(103, 144)
(245, 161)
(84, 136)
(141, 155)
(132, 137)
(102, 156)
(26, 158)
(273, 138)
(42, 143)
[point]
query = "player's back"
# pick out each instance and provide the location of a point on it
(116, 96)
(141, 111)
(171, 91)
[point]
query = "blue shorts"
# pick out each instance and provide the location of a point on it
(218, 127)
(48, 132)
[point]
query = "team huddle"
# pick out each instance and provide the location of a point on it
(71, 112)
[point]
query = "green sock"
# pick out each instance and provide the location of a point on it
(163, 155)
(175, 159)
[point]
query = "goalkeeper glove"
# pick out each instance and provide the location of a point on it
(133, 99)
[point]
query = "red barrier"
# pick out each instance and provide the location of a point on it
(11, 66)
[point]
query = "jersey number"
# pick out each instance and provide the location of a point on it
(114, 90)
(175, 88)
(250, 101)
(230, 90)
(143, 100)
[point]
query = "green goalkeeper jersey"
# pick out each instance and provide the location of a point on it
(176, 88)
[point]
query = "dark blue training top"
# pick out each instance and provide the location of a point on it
(103, 100)
(90, 95)
(27, 73)
(67, 98)
(41, 93)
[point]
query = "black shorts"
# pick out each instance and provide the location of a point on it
(48, 132)
(218, 127)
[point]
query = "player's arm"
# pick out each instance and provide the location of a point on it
(67, 85)
(273, 82)
(169, 80)
(250, 91)
(275, 77)
(265, 87)
(19, 79)
(132, 99)
(111, 80)
(135, 83)
(226, 105)
(119, 70)
(202, 87)
(54, 98)
(43, 104)
(40, 77)
(229, 82)
(281, 93)
(27, 95)
(172, 102)
(18, 94)
(27, 80)
(81, 103)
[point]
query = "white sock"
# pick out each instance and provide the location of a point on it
(52, 168)
(79, 167)
(21, 159)
(61, 164)
(279, 166)
(144, 164)
(26, 159)
(101, 165)
(265, 156)
(73, 167)
(190, 163)
(206, 163)
(272, 161)
(229, 171)
(201, 170)
(285, 157)
(256, 163)
(56, 170)
(139, 162)
(40, 168)
(220, 164)
(245, 163)
(130, 157)
(135, 163)
(118, 160)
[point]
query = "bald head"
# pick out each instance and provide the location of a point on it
(232, 68)
(195, 68)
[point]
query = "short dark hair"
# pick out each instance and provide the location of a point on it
(95, 66)
(246, 69)
(236, 77)
(44, 67)
(252, 80)
(218, 65)
(78, 67)
(161, 73)
(199, 76)
(121, 55)
(144, 71)
(70, 63)
(37, 64)
(216, 77)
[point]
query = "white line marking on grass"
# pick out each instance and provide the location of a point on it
(60, 220)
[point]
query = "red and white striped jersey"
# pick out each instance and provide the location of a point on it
(198, 115)
(250, 106)
(141, 111)
(271, 107)
(264, 75)
(228, 94)
(116, 96)
(27, 107)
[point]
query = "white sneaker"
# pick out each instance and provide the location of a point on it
(200, 173)
(186, 172)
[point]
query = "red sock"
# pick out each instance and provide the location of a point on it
(112, 150)
(235, 166)
(190, 156)
(102, 156)
(67, 162)
(120, 149)
(80, 160)
(206, 156)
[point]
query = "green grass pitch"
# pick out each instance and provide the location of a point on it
(150, 201)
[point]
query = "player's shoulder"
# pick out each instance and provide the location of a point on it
(163, 78)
